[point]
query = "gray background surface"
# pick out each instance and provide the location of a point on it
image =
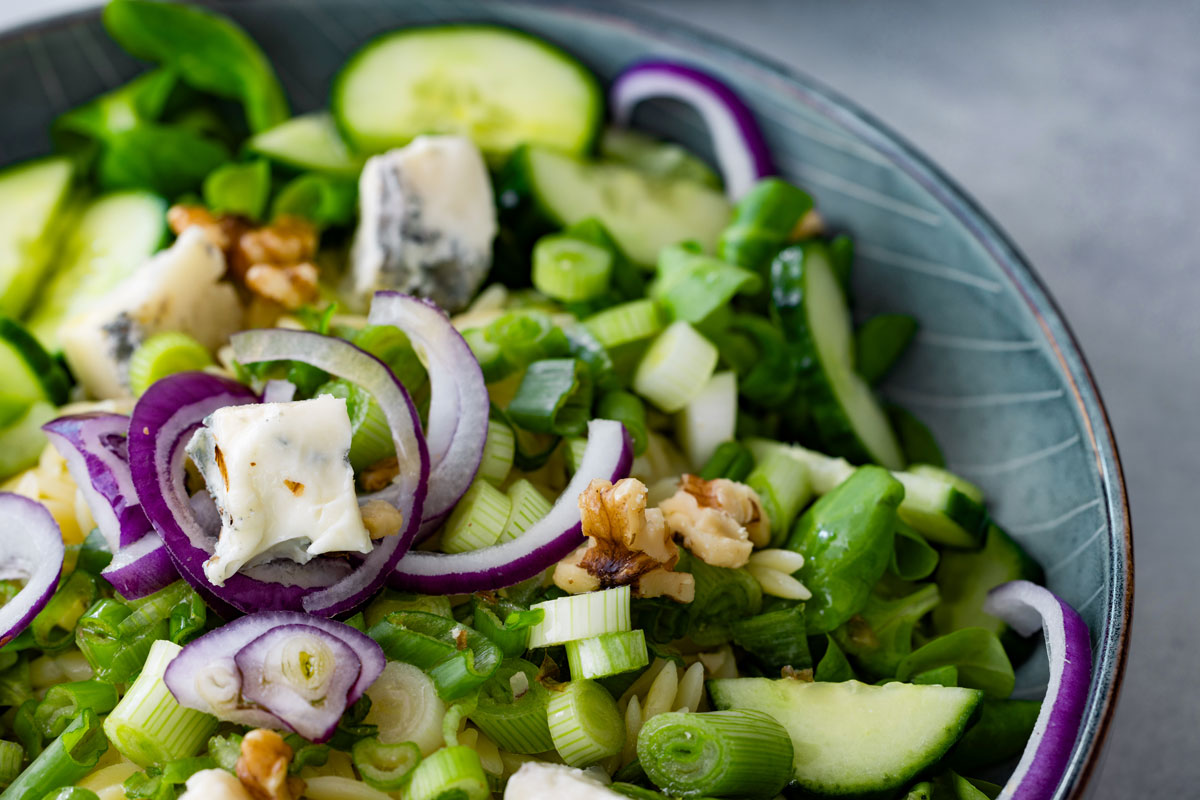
(1077, 126)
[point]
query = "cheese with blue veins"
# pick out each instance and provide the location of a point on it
(426, 222)
(281, 479)
(178, 289)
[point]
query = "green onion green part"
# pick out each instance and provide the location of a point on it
(477, 520)
(731, 460)
(385, 766)
(148, 726)
(628, 322)
(607, 654)
(458, 658)
(64, 761)
(64, 701)
(512, 709)
(452, 773)
(569, 269)
(775, 639)
(762, 223)
(555, 396)
(240, 189)
(11, 756)
(528, 506)
(627, 409)
(783, 486)
(498, 450)
(54, 626)
(716, 753)
(165, 354)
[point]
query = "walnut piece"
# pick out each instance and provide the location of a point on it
(721, 521)
(274, 261)
(628, 544)
(262, 767)
(380, 474)
(381, 519)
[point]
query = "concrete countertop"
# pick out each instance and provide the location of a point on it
(1077, 126)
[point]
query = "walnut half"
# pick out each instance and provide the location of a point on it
(721, 521)
(262, 767)
(628, 545)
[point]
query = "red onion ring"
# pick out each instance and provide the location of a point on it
(1027, 607)
(740, 147)
(95, 449)
(342, 359)
(141, 568)
(608, 455)
(237, 651)
(33, 549)
(458, 403)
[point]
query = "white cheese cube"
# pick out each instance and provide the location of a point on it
(178, 289)
(281, 479)
(427, 220)
(537, 780)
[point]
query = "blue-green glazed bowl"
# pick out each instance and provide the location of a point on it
(995, 371)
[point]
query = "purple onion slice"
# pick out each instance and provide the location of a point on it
(342, 359)
(1027, 607)
(95, 448)
(31, 548)
(458, 402)
(740, 147)
(608, 455)
(259, 671)
(141, 568)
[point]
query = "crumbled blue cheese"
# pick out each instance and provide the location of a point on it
(178, 289)
(281, 479)
(427, 220)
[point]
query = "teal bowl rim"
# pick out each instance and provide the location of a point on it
(1114, 638)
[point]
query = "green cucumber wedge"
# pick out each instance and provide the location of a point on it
(32, 199)
(27, 372)
(643, 214)
(22, 442)
(966, 578)
(114, 236)
(945, 508)
(853, 738)
(811, 308)
(308, 142)
(500, 87)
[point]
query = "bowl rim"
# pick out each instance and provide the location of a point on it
(1115, 636)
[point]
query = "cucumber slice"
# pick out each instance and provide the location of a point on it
(811, 307)
(944, 507)
(308, 142)
(27, 372)
(32, 195)
(500, 87)
(643, 213)
(852, 738)
(115, 235)
(22, 442)
(965, 579)
(660, 159)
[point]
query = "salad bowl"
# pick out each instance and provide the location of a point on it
(995, 371)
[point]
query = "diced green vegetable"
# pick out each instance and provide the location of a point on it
(570, 270)
(498, 450)
(607, 654)
(763, 220)
(555, 396)
(452, 772)
(64, 761)
(478, 519)
(512, 709)
(165, 354)
(432, 642)
(731, 460)
(528, 506)
(675, 368)
(308, 142)
(584, 723)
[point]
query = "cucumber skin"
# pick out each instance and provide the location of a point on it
(52, 376)
(891, 783)
(588, 145)
(834, 431)
(522, 221)
(968, 516)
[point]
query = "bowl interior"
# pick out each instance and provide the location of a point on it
(994, 371)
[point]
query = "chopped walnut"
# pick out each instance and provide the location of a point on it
(808, 226)
(805, 675)
(721, 521)
(290, 286)
(381, 519)
(263, 767)
(380, 474)
(274, 261)
(628, 544)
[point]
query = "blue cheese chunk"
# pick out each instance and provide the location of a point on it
(427, 220)
(281, 479)
(178, 289)
(537, 780)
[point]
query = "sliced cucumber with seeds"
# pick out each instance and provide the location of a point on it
(944, 507)
(811, 308)
(852, 738)
(115, 235)
(543, 189)
(33, 384)
(308, 142)
(500, 87)
(32, 198)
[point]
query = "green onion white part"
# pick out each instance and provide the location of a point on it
(478, 519)
(498, 452)
(585, 723)
(708, 419)
(607, 654)
(625, 323)
(528, 506)
(675, 368)
(581, 616)
(570, 270)
(405, 707)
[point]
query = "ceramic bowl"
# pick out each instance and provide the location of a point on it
(995, 371)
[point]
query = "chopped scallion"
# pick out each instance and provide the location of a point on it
(385, 766)
(783, 486)
(627, 409)
(477, 520)
(452, 773)
(585, 723)
(569, 269)
(555, 396)
(731, 460)
(625, 323)
(512, 709)
(675, 368)
(607, 654)
(582, 616)
(498, 450)
(528, 506)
